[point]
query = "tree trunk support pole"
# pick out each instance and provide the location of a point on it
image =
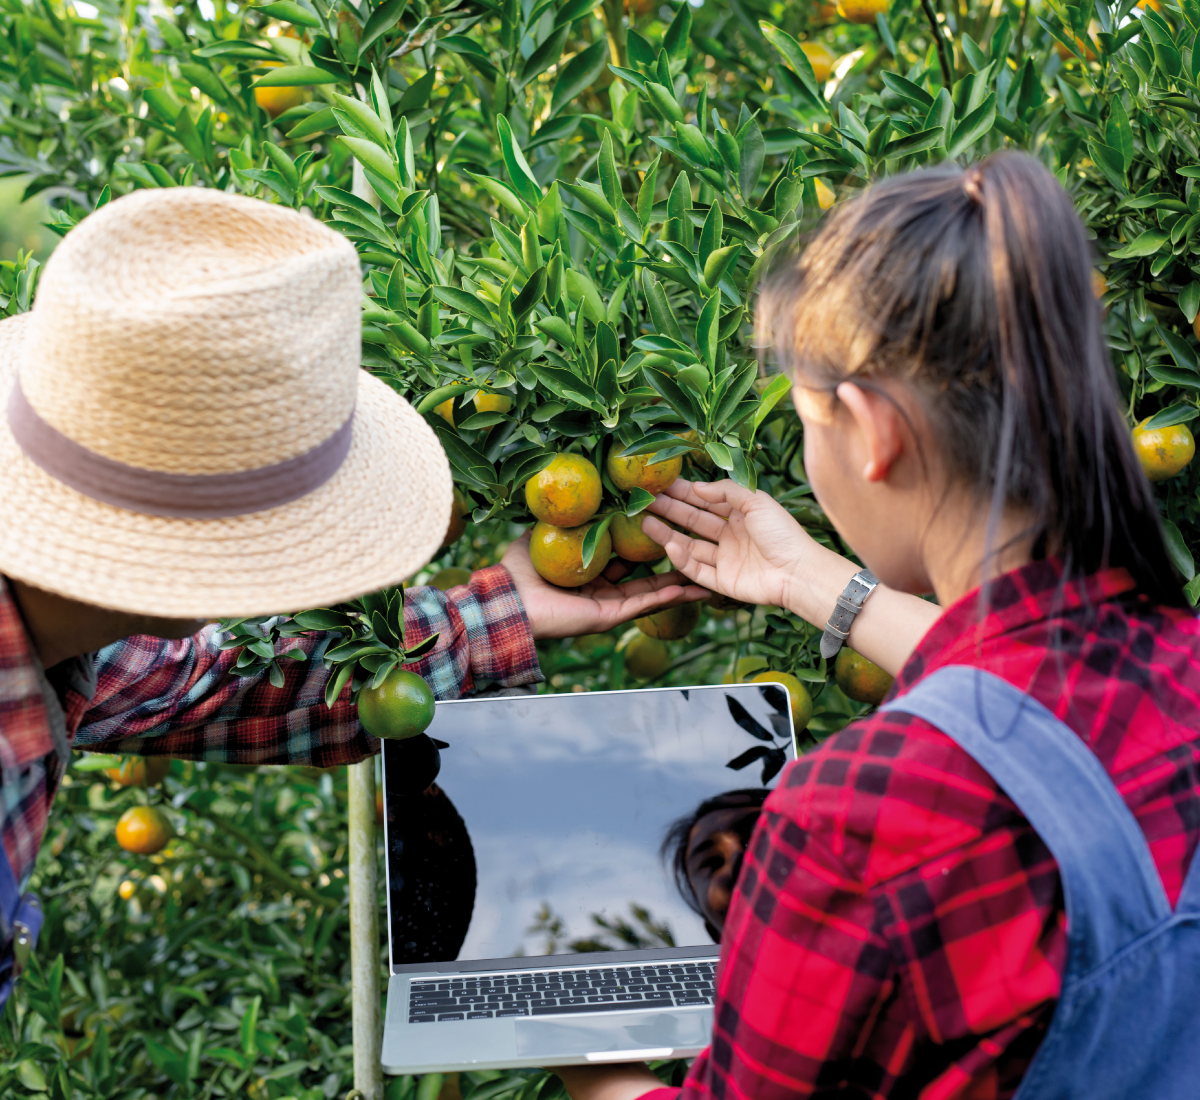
(364, 895)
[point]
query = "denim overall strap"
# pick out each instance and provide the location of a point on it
(20, 923)
(1111, 887)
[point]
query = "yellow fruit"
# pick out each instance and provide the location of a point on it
(401, 707)
(745, 668)
(588, 644)
(631, 542)
(825, 196)
(823, 13)
(697, 456)
(641, 472)
(445, 579)
(460, 509)
(557, 554)
(1100, 284)
(566, 493)
(446, 410)
(861, 11)
(492, 402)
(859, 678)
(646, 657)
(140, 771)
(675, 622)
(144, 830)
(126, 890)
(1163, 452)
(277, 100)
(820, 58)
(802, 704)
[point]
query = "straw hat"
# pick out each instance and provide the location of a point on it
(188, 430)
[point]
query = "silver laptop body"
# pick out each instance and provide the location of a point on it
(544, 829)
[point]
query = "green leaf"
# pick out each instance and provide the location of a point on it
(771, 396)
(358, 120)
(976, 58)
(382, 20)
(908, 91)
(371, 156)
(519, 172)
(915, 143)
(578, 75)
(973, 128)
(465, 303)
(676, 39)
(288, 12)
(1146, 244)
(546, 54)
(591, 539)
(1175, 377)
(1182, 352)
(294, 76)
(1118, 134)
(706, 328)
(754, 151)
(645, 200)
(1181, 556)
(1189, 301)
(638, 501)
(315, 123)
(1179, 413)
(795, 57)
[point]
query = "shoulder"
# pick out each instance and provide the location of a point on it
(886, 794)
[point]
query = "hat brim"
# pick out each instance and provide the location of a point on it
(380, 518)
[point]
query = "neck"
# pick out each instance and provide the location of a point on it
(60, 628)
(959, 556)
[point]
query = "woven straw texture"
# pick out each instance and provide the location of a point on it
(241, 352)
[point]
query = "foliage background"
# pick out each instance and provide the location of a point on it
(224, 972)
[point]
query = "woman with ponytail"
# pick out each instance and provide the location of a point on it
(985, 887)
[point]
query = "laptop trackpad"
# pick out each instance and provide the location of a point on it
(689, 1030)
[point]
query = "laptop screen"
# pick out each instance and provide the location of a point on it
(544, 831)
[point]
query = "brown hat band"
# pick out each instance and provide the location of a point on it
(175, 496)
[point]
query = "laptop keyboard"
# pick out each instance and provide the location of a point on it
(560, 992)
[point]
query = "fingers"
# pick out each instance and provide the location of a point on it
(616, 569)
(686, 491)
(703, 523)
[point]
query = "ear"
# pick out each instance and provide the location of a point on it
(880, 426)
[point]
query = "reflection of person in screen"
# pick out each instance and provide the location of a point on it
(705, 849)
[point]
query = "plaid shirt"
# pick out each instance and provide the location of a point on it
(154, 697)
(898, 928)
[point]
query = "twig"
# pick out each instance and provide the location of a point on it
(1021, 31)
(943, 56)
(270, 867)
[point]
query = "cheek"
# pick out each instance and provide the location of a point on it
(825, 471)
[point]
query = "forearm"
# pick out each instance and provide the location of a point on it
(625, 1081)
(888, 627)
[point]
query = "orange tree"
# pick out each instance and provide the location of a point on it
(562, 211)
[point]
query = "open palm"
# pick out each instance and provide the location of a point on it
(749, 547)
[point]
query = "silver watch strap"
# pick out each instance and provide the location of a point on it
(849, 604)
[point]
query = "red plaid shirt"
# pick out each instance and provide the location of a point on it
(155, 698)
(898, 928)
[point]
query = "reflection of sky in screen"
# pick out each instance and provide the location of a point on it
(567, 799)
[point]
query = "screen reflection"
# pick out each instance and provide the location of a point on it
(578, 806)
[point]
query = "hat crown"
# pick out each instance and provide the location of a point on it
(188, 331)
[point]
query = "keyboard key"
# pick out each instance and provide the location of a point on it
(450, 1016)
(479, 1015)
(544, 1002)
(697, 985)
(608, 988)
(572, 1000)
(606, 997)
(629, 996)
(610, 1006)
(513, 1012)
(422, 1019)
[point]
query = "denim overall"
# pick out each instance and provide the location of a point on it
(1127, 1024)
(20, 922)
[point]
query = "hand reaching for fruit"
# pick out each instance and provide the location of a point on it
(596, 606)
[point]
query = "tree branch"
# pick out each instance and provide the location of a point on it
(943, 56)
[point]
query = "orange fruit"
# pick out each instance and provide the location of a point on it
(452, 577)
(640, 471)
(675, 622)
(859, 678)
(1163, 452)
(446, 410)
(861, 11)
(646, 657)
(140, 771)
(1100, 284)
(557, 554)
(126, 890)
(566, 493)
(825, 196)
(277, 100)
(401, 707)
(697, 456)
(492, 402)
(820, 58)
(1144, 4)
(744, 669)
(144, 830)
(823, 13)
(631, 542)
(801, 701)
(459, 510)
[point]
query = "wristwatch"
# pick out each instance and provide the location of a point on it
(849, 604)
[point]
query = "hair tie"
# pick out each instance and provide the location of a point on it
(972, 184)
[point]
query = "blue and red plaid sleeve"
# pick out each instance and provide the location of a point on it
(158, 697)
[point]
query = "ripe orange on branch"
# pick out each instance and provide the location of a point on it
(557, 554)
(566, 493)
(1163, 452)
(632, 543)
(144, 830)
(400, 707)
(646, 657)
(861, 11)
(820, 58)
(277, 100)
(859, 679)
(641, 471)
(492, 402)
(675, 622)
(798, 696)
(140, 771)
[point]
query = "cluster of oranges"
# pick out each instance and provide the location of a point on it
(564, 499)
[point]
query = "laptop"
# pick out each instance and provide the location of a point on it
(532, 917)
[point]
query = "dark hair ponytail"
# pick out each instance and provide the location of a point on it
(975, 287)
